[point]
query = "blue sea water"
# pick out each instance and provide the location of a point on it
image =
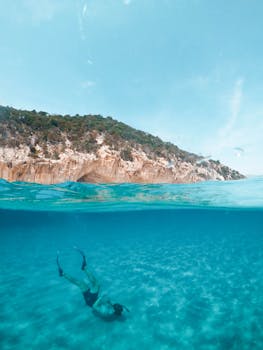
(187, 260)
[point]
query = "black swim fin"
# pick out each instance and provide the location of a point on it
(125, 308)
(84, 262)
(60, 271)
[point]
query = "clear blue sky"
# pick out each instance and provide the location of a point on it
(189, 71)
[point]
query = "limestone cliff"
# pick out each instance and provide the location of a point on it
(48, 151)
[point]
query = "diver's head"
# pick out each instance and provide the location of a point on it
(118, 309)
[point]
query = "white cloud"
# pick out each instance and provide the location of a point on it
(229, 133)
(84, 10)
(126, 2)
(238, 142)
(204, 81)
(235, 104)
(226, 132)
(87, 84)
(41, 10)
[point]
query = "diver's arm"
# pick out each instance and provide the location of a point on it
(104, 307)
(102, 300)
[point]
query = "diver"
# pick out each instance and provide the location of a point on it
(102, 306)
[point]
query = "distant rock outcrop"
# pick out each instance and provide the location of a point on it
(43, 148)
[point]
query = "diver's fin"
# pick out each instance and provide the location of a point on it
(125, 308)
(84, 262)
(60, 271)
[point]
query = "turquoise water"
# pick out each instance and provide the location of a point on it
(187, 260)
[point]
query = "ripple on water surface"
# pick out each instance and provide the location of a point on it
(70, 196)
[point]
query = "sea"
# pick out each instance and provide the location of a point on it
(186, 260)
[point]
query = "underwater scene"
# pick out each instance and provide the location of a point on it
(186, 261)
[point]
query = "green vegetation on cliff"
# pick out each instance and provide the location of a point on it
(31, 128)
(52, 134)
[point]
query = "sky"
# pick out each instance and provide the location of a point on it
(188, 71)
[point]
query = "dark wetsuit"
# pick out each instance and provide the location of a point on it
(90, 298)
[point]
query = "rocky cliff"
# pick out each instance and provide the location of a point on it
(43, 148)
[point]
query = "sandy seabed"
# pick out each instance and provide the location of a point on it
(191, 279)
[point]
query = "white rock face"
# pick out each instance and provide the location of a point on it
(106, 165)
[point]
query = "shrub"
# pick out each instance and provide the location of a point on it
(126, 154)
(21, 125)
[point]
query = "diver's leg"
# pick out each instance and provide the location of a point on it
(95, 287)
(84, 262)
(82, 285)
(60, 271)
(93, 281)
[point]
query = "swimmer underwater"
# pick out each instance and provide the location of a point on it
(102, 306)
